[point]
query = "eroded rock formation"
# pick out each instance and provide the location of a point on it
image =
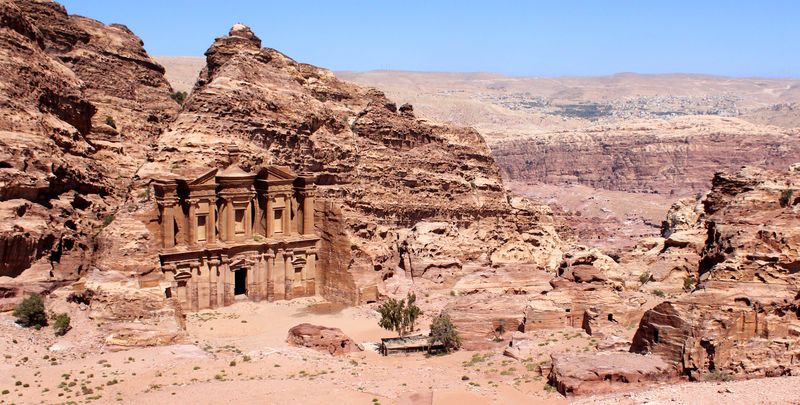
(675, 156)
(81, 104)
(742, 319)
(329, 340)
(395, 194)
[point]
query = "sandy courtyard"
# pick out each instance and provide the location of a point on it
(239, 354)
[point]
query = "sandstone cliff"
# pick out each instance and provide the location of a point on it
(81, 104)
(675, 156)
(742, 318)
(396, 195)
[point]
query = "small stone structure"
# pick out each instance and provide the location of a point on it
(229, 233)
(407, 344)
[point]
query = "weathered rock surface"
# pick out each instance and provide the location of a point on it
(742, 319)
(64, 170)
(664, 156)
(395, 194)
(579, 374)
(330, 340)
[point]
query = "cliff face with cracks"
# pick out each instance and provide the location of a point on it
(80, 105)
(743, 318)
(395, 194)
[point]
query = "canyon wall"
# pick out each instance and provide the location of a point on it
(676, 157)
(742, 317)
(81, 104)
(395, 194)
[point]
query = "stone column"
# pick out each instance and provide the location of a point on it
(287, 215)
(248, 221)
(168, 222)
(261, 273)
(270, 276)
(289, 277)
(230, 221)
(312, 286)
(280, 275)
(258, 212)
(211, 221)
(270, 217)
(228, 284)
(191, 230)
(213, 268)
(194, 286)
(308, 212)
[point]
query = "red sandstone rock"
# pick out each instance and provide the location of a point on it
(742, 319)
(394, 194)
(330, 340)
(581, 374)
(64, 167)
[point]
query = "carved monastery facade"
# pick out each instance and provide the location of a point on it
(229, 235)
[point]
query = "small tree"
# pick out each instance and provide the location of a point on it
(31, 312)
(443, 331)
(61, 324)
(110, 122)
(786, 197)
(399, 316)
(179, 96)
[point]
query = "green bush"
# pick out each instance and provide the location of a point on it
(111, 123)
(30, 313)
(689, 283)
(61, 324)
(399, 316)
(786, 197)
(179, 96)
(645, 277)
(108, 219)
(443, 331)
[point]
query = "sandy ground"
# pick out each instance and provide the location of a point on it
(238, 353)
(782, 390)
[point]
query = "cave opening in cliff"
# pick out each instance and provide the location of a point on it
(240, 282)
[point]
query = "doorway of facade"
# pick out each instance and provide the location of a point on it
(240, 282)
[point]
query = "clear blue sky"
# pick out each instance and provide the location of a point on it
(540, 38)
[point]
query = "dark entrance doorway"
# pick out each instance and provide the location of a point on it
(240, 282)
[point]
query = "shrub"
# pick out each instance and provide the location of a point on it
(179, 96)
(717, 375)
(659, 293)
(31, 312)
(786, 197)
(399, 316)
(61, 324)
(111, 123)
(83, 297)
(645, 277)
(443, 331)
(689, 283)
(108, 219)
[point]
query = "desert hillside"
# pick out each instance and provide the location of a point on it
(283, 235)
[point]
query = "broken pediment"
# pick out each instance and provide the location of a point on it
(205, 178)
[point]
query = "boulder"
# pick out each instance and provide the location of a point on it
(597, 373)
(321, 338)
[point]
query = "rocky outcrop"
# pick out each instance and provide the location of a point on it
(742, 318)
(675, 156)
(128, 315)
(321, 338)
(395, 194)
(581, 374)
(82, 103)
